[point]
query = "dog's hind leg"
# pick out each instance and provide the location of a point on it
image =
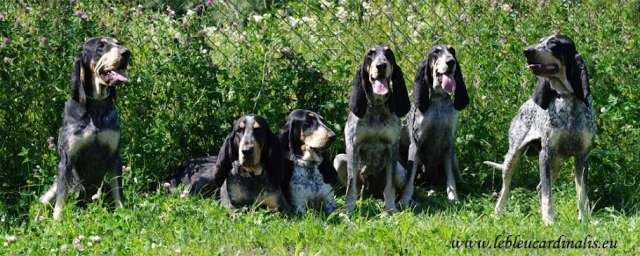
(581, 173)
(340, 164)
(507, 168)
(47, 196)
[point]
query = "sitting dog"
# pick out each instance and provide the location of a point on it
(307, 170)
(556, 123)
(247, 170)
(432, 119)
(90, 133)
(378, 100)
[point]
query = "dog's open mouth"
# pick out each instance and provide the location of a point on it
(380, 86)
(447, 81)
(114, 76)
(543, 69)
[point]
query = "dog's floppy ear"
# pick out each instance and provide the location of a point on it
(578, 77)
(460, 95)
(358, 97)
(227, 154)
(290, 138)
(78, 81)
(422, 86)
(544, 94)
(329, 174)
(273, 158)
(400, 103)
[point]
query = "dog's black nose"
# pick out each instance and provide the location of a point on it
(332, 136)
(381, 66)
(529, 51)
(451, 62)
(247, 152)
(126, 54)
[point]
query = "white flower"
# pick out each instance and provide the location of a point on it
(293, 21)
(257, 18)
(341, 13)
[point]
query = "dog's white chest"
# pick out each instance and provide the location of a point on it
(307, 182)
(108, 137)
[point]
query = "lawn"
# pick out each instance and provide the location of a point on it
(198, 65)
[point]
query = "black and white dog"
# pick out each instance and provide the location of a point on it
(247, 170)
(90, 133)
(556, 123)
(308, 172)
(378, 100)
(432, 119)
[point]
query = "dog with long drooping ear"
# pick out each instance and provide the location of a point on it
(378, 100)
(247, 170)
(432, 120)
(308, 174)
(556, 123)
(90, 134)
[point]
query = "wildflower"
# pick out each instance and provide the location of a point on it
(7, 60)
(257, 18)
(44, 41)
(184, 23)
(95, 239)
(209, 2)
(6, 41)
(11, 239)
(199, 8)
(77, 243)
(81, 14)
(3, 16)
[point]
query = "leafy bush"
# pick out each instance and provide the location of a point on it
(197, 66)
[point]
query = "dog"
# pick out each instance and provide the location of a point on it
(378, 100)
(247, 170)
(308, 173)
(90, 134)
(556, 123)
(432, 119)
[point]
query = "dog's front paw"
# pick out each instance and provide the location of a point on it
(406, 203)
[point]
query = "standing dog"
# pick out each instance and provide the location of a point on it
(557, 122)
(378, 100)
(307, 170)
(432, 120)
(90, 132)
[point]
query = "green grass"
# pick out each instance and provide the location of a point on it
(194, 72)
(160, 224)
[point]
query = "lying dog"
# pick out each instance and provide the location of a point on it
(556, 123)
(307, 171)
(247, 170)
(90, 133)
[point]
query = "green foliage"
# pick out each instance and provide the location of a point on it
(198, 66)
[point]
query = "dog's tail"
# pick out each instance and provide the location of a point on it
(494, 165)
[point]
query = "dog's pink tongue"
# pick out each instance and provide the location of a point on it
(380, 87)
(115, 76)
(448, 83)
